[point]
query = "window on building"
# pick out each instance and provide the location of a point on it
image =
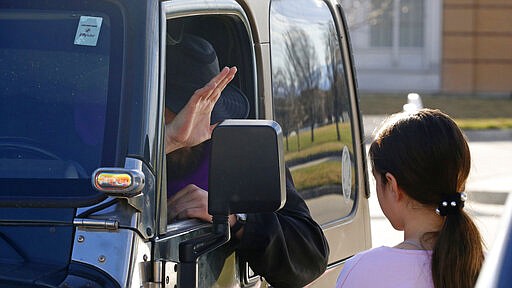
(396, 23)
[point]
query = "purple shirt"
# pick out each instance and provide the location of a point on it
(387, 267)
(198, 177)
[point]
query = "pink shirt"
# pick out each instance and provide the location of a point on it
(387, 267)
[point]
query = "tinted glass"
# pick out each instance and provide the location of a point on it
(56, 74)
(311, 103)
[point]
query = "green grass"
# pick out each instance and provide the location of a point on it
(323, 135)
(317, 175)
(325, 142)
(317, 149)
(470, 112)
(484, 123)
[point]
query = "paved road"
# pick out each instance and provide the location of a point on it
(488, 185)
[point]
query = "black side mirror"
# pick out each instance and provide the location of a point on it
(246, 176)
(247, 173)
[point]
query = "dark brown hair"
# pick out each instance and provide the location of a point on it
(430, 159)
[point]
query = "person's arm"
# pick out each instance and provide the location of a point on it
(349, 265)
(287, 248)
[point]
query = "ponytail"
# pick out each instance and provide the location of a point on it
(458, 253)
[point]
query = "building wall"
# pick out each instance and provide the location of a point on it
(396, 69)
(477, 47)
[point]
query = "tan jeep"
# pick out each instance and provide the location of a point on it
(82, 164)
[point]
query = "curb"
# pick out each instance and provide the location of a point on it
(488, 135)
(488, 197)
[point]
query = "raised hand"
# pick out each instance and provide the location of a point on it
(191, 126)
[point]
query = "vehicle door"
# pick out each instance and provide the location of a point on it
(225, 25)
(315, 102)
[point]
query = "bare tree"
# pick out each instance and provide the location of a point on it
(301, 53)
(333, 60)
(360, 13)
(286, 108)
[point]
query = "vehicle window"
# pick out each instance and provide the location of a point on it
(311, 103)
(57, 92)
(230, 40)
(227, 35)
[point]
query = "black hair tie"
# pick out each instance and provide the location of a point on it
(451, 204)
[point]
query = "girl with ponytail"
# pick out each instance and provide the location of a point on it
(420, 162)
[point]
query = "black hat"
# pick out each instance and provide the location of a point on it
(190, 65)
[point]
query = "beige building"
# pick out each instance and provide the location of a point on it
(432, 46)
(477, 47)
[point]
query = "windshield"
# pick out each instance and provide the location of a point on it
(56, 92)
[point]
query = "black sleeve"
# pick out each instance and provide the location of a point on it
(287, 248)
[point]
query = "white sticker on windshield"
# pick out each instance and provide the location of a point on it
(88, 31)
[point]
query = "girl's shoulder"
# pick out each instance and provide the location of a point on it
(385, 256)
(386, 265)
(385, 251)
